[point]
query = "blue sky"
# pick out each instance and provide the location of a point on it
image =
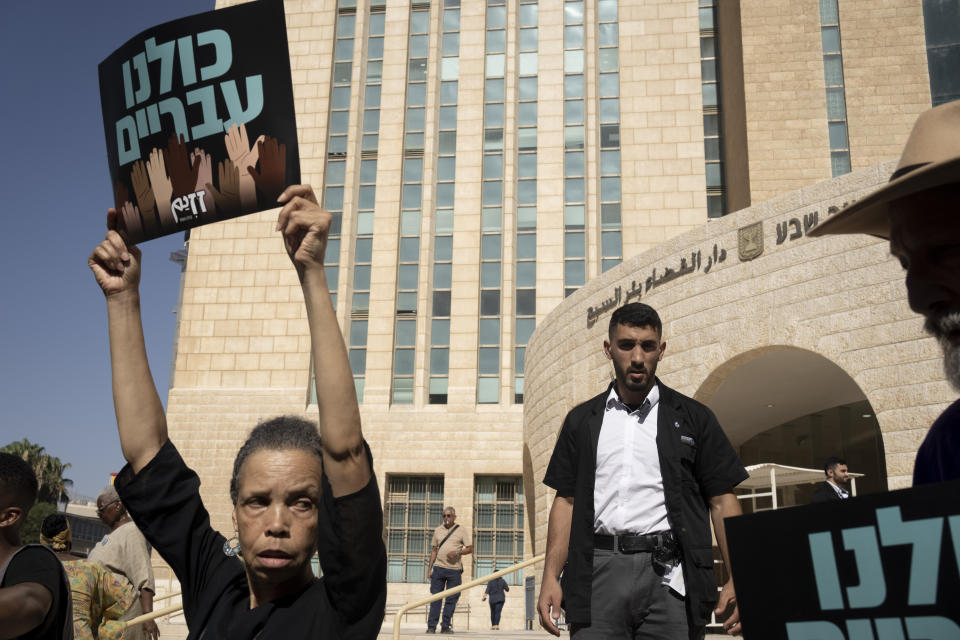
(55, 376)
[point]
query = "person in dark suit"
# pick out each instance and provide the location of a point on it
(495, 589)
(834, 487)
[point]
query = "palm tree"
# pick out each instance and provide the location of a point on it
(49, 469)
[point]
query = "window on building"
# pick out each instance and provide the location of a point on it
(414, 508)
(498, 526)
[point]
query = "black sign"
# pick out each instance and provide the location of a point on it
(878, 567)
(199, 119)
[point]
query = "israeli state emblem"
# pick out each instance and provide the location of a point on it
(750, 241)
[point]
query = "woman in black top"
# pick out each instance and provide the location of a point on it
(294, 491)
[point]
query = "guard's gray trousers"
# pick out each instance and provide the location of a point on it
(629, 601)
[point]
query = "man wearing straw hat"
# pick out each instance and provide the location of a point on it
(918, 211)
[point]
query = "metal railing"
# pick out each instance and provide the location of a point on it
(463, 587)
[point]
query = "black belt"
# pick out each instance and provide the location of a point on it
(633, 543)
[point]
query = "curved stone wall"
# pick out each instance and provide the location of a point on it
(842, 297)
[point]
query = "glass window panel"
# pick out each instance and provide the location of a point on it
(364, 249)
(528, 37)
(397, 515)
(420, 22)
(451, 44)
(608, 59)
(441, 303)
(711, 149)
(416, 117)
(706, 18)
(365, 223)
(492, 192)
(831, 39)
(574, 245)
(410, 223)
(496, 41)
(336, 222)
(443, 248)
(440, 331)
(525, 327)
(413, 141)
(447, 142)
(341, 72)
(495, 65)
(573, 216)
(573, 61)
(441, 275)
(714, 175)
(336, 170)
(573, 111)
(526, 274)
(496, 17)
(528, 15)
(367, 196)
(406, 333)
(341, 98)
(371, 120)
(438, 390)
(439, 362)
(395, 570)
(708, 70)
(609, 162)
(449, 68)
(345, 26)
(488, 392)
(416, 94)
(573, 137)
(526, 192)
(368, 171)
(333, 198)
(358, 361)
(840, 162)
(610, 189)
(527, 139)
(412, 194)
(407, 301)
(573, 163)
(417, 69)
(375, 48)
(526, 165)
(489, 360)
(610, 110)
(444, 221)
(610, 241)
(409, 249)
(608, 263)
(610, 135)
(448, 117)
(527, 218)
(610, 215)
(491, 219)
(493, 115)
(490, 247)
(446, 168)
(836, 104)
(370, 142)
(574, 273)
(528, 63)
(833, 71)
(343, 49)
(504, 544)
(711, 125)
(361, 302)
(333, 250)
(493, 166)
(358, 333)
(489, 274)
(490, 302)
(526, 302)
(395, 541)
(505, 518)
(607, 34)
(573, 37)
(528, 89)
(448, 92)
(573, 12)
(838, 135)
(609, 84)
(527, 113)
(526, 246)
(574, 190)
(445, 194)
(377, 23)
(412, 170)
(374, 71)
(361, 277)
(573, 86)
(606, 10)
(493, 140)
(403, 362)
(489, 331)
(403, 391)
(829, 12)
(493, 90)
(708, 47)
(339, 121)
(451, 20)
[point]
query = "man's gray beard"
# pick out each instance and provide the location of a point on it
(940, 327)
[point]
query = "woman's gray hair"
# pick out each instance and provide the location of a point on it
(108, 494)
(277, 434)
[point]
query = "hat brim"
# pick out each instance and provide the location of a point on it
(871, 215)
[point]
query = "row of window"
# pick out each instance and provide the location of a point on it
(414, 509)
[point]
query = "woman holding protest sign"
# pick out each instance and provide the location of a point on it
(294, 490)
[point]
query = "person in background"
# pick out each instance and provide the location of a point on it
(918, 211)
(100, 598)
(445, 570)
(125, 553)
(34, 594)
(496, 589)
(835, 486)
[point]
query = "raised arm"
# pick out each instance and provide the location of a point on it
(726, 505)
(140, 419)
(305, 226)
